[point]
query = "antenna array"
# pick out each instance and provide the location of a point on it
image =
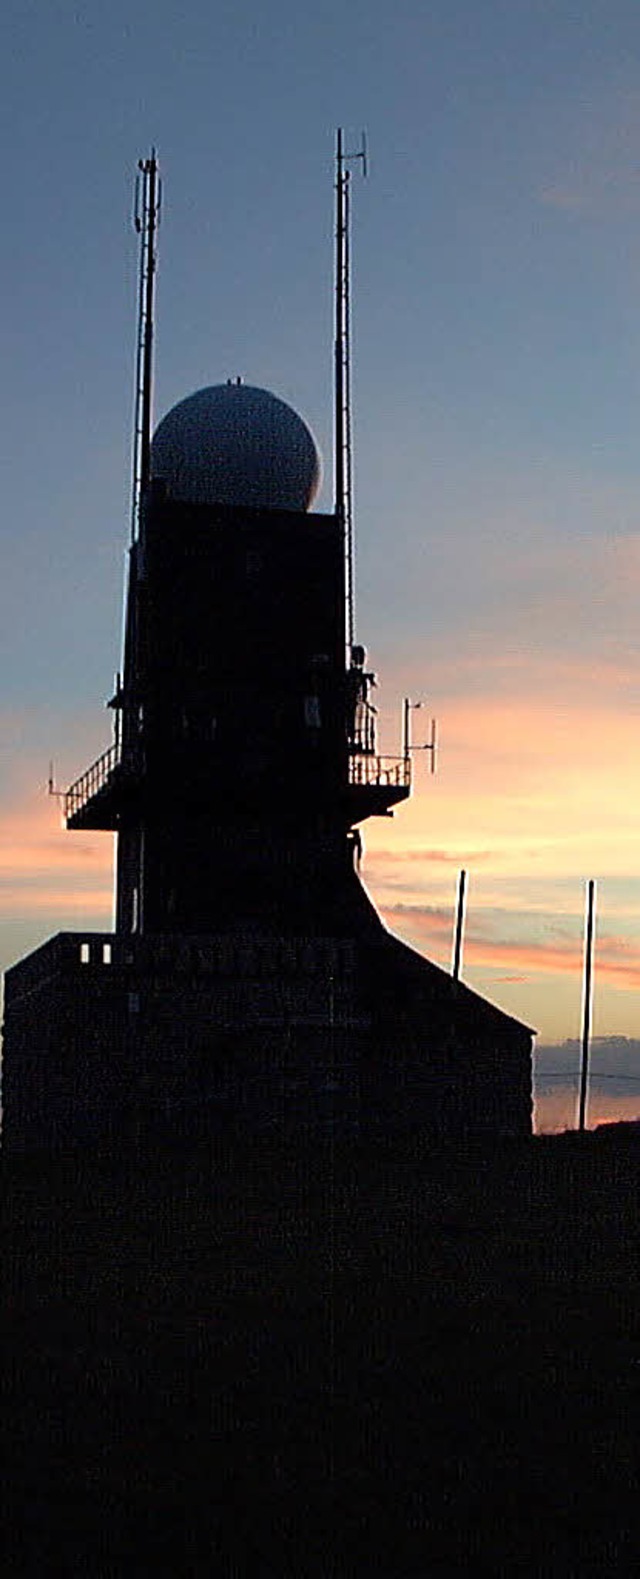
(146, 217)
(343, 460)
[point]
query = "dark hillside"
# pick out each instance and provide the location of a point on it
(325, 1361)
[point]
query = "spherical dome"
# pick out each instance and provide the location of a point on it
(233, 444)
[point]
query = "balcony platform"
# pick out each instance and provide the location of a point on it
(95, 800)
(376, 785)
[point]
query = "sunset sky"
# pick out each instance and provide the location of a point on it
(496, 248)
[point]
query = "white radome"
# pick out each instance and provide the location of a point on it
(233, 444)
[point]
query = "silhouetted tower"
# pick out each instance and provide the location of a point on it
(250, 979)
(248, 750)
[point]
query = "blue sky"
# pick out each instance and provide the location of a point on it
(497, 392)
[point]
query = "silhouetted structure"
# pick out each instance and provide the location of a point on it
(249, 979)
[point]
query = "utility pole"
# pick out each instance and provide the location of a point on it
(457, 947)
(586, 1005)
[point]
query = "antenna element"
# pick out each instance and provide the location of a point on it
(431, 745)
(343, 460)
(146, 217)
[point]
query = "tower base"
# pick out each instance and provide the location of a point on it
(111, 1040)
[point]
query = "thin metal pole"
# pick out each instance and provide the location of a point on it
(457, 950)
(343, 460)
(151, 173)
(147, 209)
(406, 729)
(432, 745)
(338, 459)
(342, 394)
(348, 451)
(586, 1007)
(139, 224)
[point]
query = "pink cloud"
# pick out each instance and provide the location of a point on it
(616, 960)
(42, 901)
(442, 857)
(42, 867)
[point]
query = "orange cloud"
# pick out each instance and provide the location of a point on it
(51, 901)
(440, 857)
(617, 959)
(43, 869)
(527, 783)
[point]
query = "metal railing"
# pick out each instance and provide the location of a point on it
(387, 771)
(91, 782)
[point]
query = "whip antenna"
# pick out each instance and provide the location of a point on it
(146, 217)
(343, 457)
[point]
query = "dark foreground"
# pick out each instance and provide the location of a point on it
(325, 1361)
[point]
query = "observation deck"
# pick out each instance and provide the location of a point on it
(376, 785)
(94, 800)
(91, 801)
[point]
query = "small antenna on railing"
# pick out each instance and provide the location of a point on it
(51, 785)
(408, 707)
(432, 745)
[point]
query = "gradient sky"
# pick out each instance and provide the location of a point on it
(496, 338)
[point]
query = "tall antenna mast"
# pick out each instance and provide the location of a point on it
(343, 459)
(148, 197)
